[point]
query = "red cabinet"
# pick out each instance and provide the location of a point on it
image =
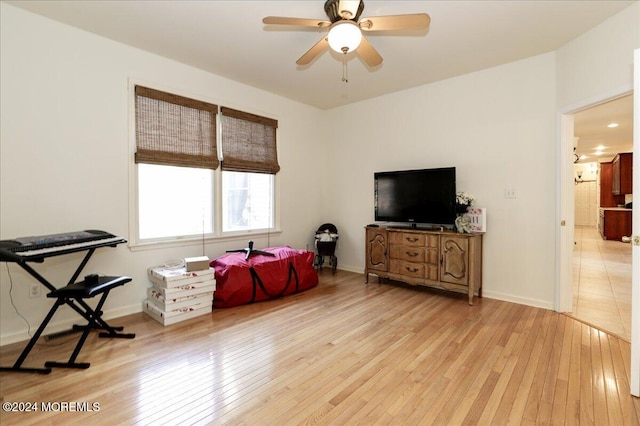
(622, 174)
(615, 223)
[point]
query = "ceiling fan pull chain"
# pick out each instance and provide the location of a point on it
(345, 70)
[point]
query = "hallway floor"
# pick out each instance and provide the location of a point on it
(602, 282)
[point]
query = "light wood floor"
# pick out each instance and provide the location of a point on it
(341, 353)
(602, 282)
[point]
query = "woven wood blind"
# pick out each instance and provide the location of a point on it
(248, 142)
(175, 131)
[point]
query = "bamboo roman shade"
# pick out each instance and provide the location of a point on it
(175, 131)
(248, 142)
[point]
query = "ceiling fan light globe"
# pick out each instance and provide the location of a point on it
(344, 36)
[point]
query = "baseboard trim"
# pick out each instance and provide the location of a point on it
(519, 300)
(64, 325)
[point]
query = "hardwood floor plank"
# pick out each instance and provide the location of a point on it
(573, 405)
(586, 378)
(629, 408)
(342, 353)
(598, 380)
(524, 379)
(535, 408)
(506, 372)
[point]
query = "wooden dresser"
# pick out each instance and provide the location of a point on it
(442, 259)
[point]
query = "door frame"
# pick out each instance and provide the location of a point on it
(566, 197)
(565, 213)
(634, 380)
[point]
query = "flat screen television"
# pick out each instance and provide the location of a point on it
(426, 196)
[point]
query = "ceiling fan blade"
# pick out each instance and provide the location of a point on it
(415, 21)
(312, 53)
(300, 22)
(368, 53)
(347, 9)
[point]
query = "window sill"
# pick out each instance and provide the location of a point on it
(202, 240)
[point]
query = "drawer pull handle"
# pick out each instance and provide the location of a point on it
(411, 269)
(411, 254)
(411, 239)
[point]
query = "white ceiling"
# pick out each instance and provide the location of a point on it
(590, 127)
(228, 38)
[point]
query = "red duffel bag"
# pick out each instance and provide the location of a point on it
(240, 281)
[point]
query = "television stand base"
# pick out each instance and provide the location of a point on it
(441, 259)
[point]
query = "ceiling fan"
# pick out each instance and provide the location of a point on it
(345, 29)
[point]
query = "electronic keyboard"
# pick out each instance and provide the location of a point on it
(37, 248)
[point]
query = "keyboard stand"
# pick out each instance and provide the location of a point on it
(73, 295)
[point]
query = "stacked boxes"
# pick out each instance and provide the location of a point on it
(178, 295)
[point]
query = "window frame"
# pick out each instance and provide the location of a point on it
(135, 243)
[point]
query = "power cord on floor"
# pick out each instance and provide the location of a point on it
(20, 315)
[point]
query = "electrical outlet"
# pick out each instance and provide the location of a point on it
(34, 291)
(510, 193)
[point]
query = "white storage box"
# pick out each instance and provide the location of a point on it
(196, 263)
(187, 290)
(175, 316)
(167, 304)
(162, 277)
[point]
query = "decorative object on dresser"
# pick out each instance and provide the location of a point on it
(447, 260)
(466, 220)
(476, 219)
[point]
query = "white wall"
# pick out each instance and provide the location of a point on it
(65, 156)
(65, 152)
(599, 63)
(594, 67)
(499, 128)
(485, 124)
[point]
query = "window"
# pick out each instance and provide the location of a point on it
(176, 155)
(249, 162)
(247, 200)
(177, 168)
(174, 201)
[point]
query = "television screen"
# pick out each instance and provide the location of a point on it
(417, 196)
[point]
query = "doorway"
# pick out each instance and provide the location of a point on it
(601, 260)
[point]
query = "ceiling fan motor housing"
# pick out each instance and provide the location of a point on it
(331, 8)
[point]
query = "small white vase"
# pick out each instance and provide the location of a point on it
(463, 224)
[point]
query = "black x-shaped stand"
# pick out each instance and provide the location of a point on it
(250, 250)
(72, 295)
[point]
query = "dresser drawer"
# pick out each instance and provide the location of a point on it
(408, 269)
(407, 239)
(409, 253)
